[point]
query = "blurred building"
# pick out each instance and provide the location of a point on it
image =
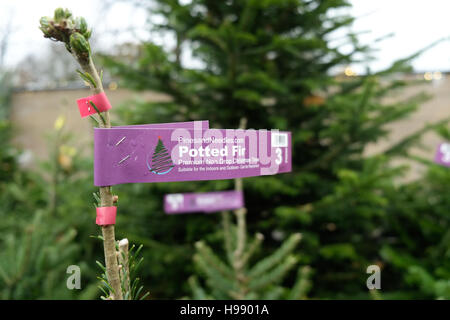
(437, 108)
(34, 112)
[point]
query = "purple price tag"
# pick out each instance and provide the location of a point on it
(203, 202)
(138, 154)
(443, 154)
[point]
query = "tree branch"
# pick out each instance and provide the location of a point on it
(74, 33)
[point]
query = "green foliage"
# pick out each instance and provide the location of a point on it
(418, 253)
(44, 225)
(131, 290)
(35, 257)
(88, 78)
(7, 153)
(79, 45)
(72, 31)
(273, 63)
(235, 278)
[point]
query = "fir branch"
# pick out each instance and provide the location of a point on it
(253, 247)
(215, 279)
(76, 42)
(402, 146)
(213, 260)
(275, 275)
(198, 292)
(267, 263)
(227, 235)
(99, 113)
(302, 285)
(88, 78)
(274, 293)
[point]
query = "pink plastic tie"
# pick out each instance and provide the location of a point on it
(106, 216)
(100, 100)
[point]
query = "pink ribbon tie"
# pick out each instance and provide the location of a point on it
(100, 100)
(106, 216)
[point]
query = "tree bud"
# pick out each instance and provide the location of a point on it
(59, 14)
(80, 46)
(45, 22)
(87, 34)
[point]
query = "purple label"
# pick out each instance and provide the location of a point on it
(443, 154)
(141, 154)
(203, 202)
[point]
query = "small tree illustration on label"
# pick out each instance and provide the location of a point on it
(161, 162)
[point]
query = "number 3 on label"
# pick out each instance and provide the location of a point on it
(279, 158)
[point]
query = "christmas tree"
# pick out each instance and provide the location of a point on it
(234, 277)
(161, 159)
(274, 63)
(74, 33)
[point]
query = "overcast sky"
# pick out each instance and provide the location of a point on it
(415, 24)
(27, 38)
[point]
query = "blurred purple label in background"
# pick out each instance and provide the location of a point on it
(203, 202)
(443, 154)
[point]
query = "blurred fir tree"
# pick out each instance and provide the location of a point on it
(234, 278)
(7, 153)
(42, 226)
(275, 63)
